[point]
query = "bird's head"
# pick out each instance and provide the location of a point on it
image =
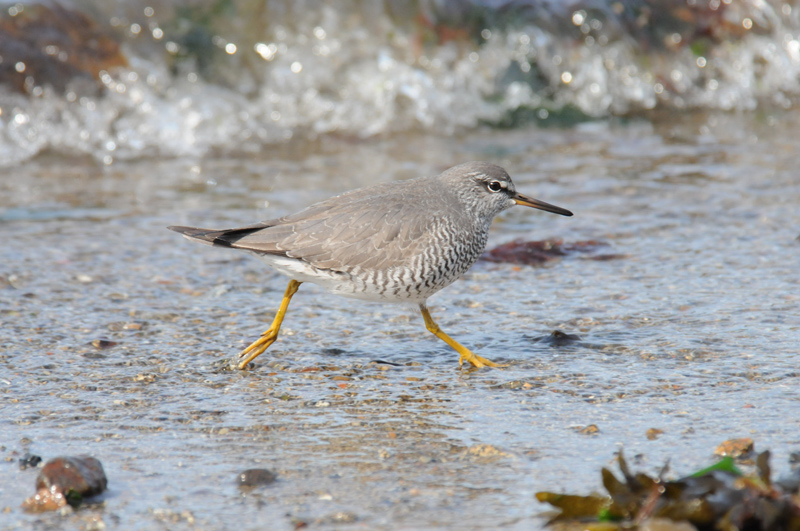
(488, 190)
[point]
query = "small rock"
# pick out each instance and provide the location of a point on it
(384, 363)
(66, 480)
(486, 451)
(514, 384)
(220, 290)
(342, 517)
(653, 433)
(172, 517)
(557, 338)
(45, 500)
(29, 461)
(591, 429)
(104, 343)
(255, 477)
(735, 447)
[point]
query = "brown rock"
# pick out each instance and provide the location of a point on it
(55, 44)
(83, 474)
(735, 447)
(653, 433)
(486, 451)
(66, 480)
(45, 500)
(104, 343)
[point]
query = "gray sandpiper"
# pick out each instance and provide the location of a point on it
(400, 241)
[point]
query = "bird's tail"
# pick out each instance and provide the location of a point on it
(224, 238)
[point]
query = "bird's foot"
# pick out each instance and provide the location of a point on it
(254, 350)
(476, 361)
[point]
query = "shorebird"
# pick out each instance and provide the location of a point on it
(400, 241)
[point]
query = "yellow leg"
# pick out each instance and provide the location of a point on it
(464, 352)
(267, 338)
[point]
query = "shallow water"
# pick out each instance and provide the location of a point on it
(692, 328)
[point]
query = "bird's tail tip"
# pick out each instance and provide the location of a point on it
(206, 236)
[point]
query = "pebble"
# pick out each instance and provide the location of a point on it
(735, 447)
(29, 461)
(343, 517)
(653, 433)
(486, 451)
(255, 477)
(103, 343)
(557, 338)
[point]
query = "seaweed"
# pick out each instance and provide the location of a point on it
(720, 497)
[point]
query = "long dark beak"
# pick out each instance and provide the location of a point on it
(541, 205)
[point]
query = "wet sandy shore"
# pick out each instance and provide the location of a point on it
(111, 328)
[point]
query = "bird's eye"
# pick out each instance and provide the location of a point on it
(494, 186)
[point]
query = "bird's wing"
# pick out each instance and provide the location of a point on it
(371, 229)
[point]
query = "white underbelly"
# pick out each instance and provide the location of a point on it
(344, 284)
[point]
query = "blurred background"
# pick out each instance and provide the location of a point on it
(129, 79)
(663, 318)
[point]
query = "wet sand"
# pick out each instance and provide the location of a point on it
(364, 416)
